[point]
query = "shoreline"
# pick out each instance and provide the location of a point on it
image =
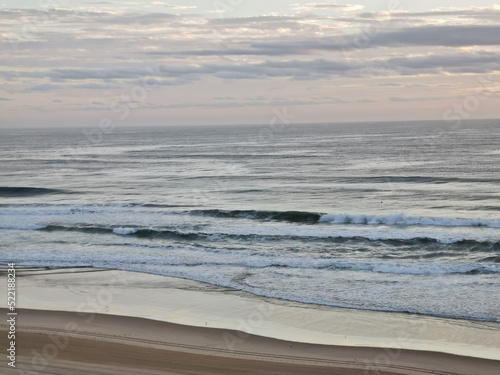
(117, 308)
(65, 340)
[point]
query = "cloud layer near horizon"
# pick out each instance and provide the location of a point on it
(316, 56)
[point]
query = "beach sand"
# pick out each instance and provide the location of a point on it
(91, 321)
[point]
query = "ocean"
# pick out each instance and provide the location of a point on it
(399, 216)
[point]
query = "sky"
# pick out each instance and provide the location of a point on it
(201, 62)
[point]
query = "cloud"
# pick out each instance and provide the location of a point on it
(424, 36)
(444, 36)
(168, 75)
(272, 35)
(96, 86)
(38, 18)
(177, 6)
(329, 6)
(246, 21)
(452, 63)
(483, 13)
(4, 99)
(415, 99)
(114, 49)
(100, 74)
(44, 87)
(140, 19)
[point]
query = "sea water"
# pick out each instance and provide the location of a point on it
(381, 216)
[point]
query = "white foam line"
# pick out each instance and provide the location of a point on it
(402, 219)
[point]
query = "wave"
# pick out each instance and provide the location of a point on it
(381, 265)
(260, 261)
(22, 226)
(135, 232)
(298, 217)
(287, 216)
(220, 261)
(402, 219)
(254, 235)
(78, 228)
(360, 219)
(319, 263)
(16, 191)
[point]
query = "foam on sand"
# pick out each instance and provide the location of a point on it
(196, 304)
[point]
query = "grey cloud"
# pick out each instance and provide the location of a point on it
(295, 68)
(310, 6)
(104, 74)
(145, 19)
(476, 13)
(86, 86)
(264, 23)
(43, 87)
(456, 63)
(168, 75)
(175, 75)
(446, 36)
(387, 84)
(415, 99)
(318, 68)
(329, 6)
(96, 86)
(62, 42)
(119, 41)
(255, 19)
(180, 6)
(40, 16)
(227, 52)
(442, 36)
(4, 99)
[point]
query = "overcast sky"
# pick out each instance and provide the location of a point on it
(74, 63)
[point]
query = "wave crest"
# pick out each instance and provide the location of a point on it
(402, 219)
(21, 191)
(287, 216)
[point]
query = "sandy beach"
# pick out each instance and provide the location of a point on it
(91, 321)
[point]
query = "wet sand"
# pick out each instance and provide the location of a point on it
(88, 321)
